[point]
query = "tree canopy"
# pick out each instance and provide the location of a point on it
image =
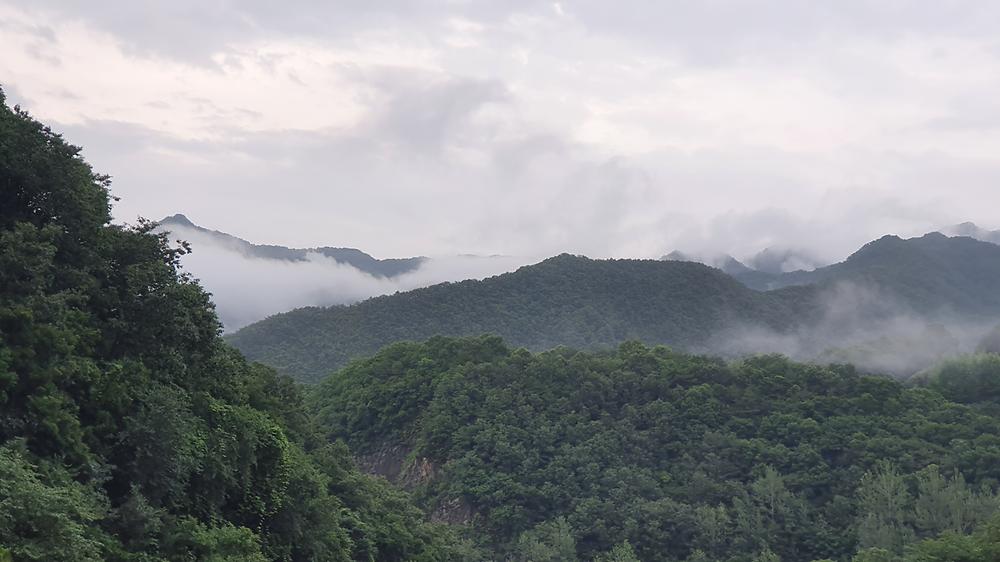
(129, 431)
(683, 457)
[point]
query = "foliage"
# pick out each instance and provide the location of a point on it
(969, 379)
(597, 304)
(44, 520)
(620, 553)
(551, 541)
(129, 431)
(684, 457)
(565, 300)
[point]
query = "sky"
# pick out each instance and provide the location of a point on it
(624, 129)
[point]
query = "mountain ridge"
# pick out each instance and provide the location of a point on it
(580, 302)
(563, 300)
(385, 267)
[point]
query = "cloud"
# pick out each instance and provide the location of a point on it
(860, 325)
(415, 127)
(247, 289)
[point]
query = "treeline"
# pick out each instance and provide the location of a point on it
(849, 312)
(564, 300)
(129, 431)
(677, 457)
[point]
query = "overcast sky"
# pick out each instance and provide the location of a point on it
(527, 128)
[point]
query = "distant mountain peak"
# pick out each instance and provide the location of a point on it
(178, 219)
(678, 255)
(934, 236)
(725, 262)
(349, 256)
(972, 230)
(776, 260)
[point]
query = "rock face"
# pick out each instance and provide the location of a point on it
(387, 461)
(397, 464)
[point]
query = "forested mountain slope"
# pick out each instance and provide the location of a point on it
(928, 274)
(685, 458)
(565, 300)
(579, 302)
(129, 431)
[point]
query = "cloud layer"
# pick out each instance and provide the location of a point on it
(246, 289)
(527, 128)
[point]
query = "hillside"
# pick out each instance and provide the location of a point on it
(928, 274)
(565, 300)
(682, 457)
(579, 302)
(180, 226)
(731, 266)
(129, 431)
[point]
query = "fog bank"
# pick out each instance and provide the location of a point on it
(247, 289)
(861, 325)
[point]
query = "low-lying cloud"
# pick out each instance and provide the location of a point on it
(246, 289)
(863, 326)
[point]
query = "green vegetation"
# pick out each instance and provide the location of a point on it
(682, 457)
(598, 304)
(926, 273)
(131, 432)
(971, 379)
(565, 300)
(128, 430)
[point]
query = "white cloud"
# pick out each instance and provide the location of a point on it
(246, 289)
(527, 128)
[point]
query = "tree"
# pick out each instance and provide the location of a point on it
(950, 504)
(46, 521)
(714, 528)
(620, 553)
(551, 541)
(883, 504)
(875, 555)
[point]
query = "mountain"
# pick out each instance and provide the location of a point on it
(972, 230)
(180, 225)
(931, 273)
(777, 261)
(250, 282)
(962, 270)
(729, 265)
(576, 301)
(564, 300)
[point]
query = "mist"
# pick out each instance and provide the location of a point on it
(247, 289)
(859, 324)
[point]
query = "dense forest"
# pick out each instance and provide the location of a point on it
(565, 454)
(564, 300)
(592, 304)
(129, 431)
